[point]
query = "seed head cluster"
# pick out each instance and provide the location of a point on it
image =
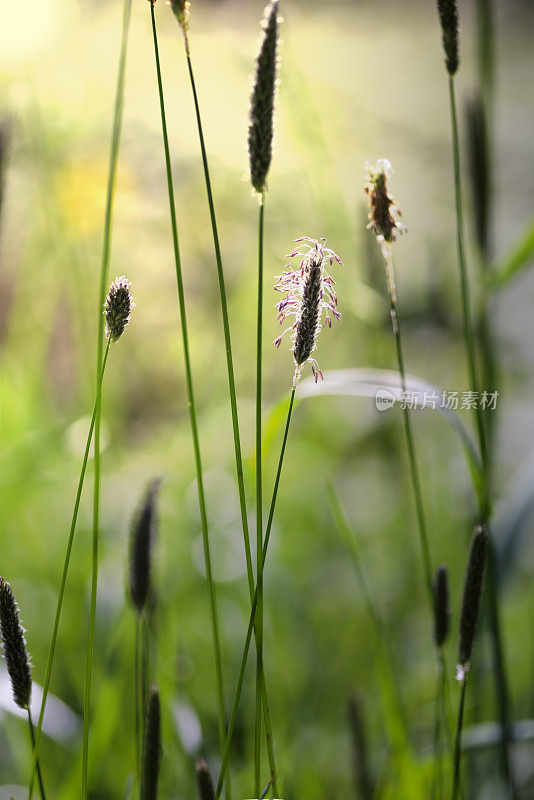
(310, 298)
(151, 747)
(142, 535)
(204, 780)
(383, 212)
(118, 308)
(448, 16)
(180, 9)
(14, 647)
(474, 581)
(260, 131)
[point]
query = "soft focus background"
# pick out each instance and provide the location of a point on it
(359, 80)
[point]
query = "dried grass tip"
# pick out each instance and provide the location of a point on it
(383, 211)
(260, 131)
(14, 647)
(442, 608)
(180, 9)
(450, 32)
(151, 747)
(204, 780)
(474, 581)
(142, 536)
(310, 298)
(118, 308)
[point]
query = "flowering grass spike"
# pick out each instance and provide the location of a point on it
(118, 308)
(383, 211)
(14, 647)
(310, 298)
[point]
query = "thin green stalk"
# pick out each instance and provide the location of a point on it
(53, 640)
(259, 516)
(439, 721)
(410, 441)
(191, 402)
(486, 508)
(138, 702)
(241, 675)
(233, 399)
(458, 742)
(145, 663)
(38, 765)
(104, 268)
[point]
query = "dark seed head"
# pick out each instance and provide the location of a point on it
(118, 308)
(260, 131)
(383, 211)
(14, 647)
(448, 15)
(442, 609)
(479, 169)
(151, 747)
(307, 326)
(142, 535)
(474, 581)
(204, 780)
(360, 748)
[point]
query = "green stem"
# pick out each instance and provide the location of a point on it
(38, 765)
(259, 518)
(410, 440)
(104, 268)
(439, 721)
(138, 704)
(233, 400)
(485, 509)
(191, 402)
(241, 675)
(458, 742)
(53, 640)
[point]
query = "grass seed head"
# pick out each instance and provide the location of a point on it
(310, 298)
(442, 608)
(479, 168)
(204, 780)
(142, 536)
(151, 747)
(260, 131)
(118, 308)
(14, 647)
(180, 9)
(474, 581)
(383, 211)
(450, 31)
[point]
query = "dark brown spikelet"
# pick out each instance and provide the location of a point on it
(142, 536)
(151, 747)
(307, 326)
(474, 581)
(448, 16)
(383, 211)
(14, 647)
(118, 308)
(442, 608)
(260, 131)
(479, 168)
(360, 750)
(204, 780)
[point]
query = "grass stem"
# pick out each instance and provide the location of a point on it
(486, 508)
(458, 742)
(246, 648)
(38, 765)
(259, 516)
(233, 399)
(191, 403)
(66, 563)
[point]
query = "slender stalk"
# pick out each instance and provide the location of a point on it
(233, 398)
(53, 640)
(138, 702)
(259, 518)
(241, 675)
(38, 765)
(104, 268)
(145, 662)
(410, 441)
(439, 720)
(486, 508)
(458, 742)
(191, 402)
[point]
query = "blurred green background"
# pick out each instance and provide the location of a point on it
(359, 81)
